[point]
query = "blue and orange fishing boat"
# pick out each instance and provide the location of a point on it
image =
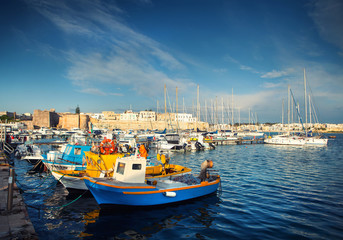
(134, 184)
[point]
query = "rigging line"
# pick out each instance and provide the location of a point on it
(313, 102)
(170, 122)
(297, 110)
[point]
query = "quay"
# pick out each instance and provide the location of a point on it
(236, 141)
(250, 141)
(14, 222)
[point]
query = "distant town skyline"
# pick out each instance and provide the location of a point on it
(116, 55)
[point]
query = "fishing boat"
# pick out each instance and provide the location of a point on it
(99, 164)
(69, 159)
(134, 184)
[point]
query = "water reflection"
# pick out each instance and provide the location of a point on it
(128, 222)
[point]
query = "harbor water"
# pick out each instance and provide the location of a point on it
(267, 192)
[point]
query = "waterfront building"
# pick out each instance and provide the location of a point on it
(97, 116)
(129, 116)
(109, 115)
(334, 127)
(147, 116)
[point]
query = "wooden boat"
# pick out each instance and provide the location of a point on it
(101, 166)
(97, 166)
(134, 184)
(70, 159)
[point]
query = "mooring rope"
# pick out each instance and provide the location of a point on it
(65, 205)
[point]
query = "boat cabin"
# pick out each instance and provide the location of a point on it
(74, 153)
(130, 169)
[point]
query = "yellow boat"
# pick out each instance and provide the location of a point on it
(102, 166)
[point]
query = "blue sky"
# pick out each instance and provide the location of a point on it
(113, 55)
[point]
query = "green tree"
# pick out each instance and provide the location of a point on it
(5, 117)
(77, 110)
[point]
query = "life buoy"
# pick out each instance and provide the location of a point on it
(107, 146)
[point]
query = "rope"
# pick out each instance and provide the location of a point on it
(65, 205)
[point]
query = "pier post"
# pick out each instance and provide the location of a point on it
(10, 190)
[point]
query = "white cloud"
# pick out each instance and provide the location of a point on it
(93, 91)
(139, 75)
(118, 55)
(277, 74)
(272, 85)
(274, 74)
(241, 66)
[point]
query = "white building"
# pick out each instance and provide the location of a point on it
(147, 116)
(184, 117)
(97, 116)
(335, 127)
(129, 116)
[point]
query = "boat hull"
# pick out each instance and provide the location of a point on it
(54, 166)
(70, 182)
(146, 195)
(312, 141)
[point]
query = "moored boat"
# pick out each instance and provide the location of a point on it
(133, 185)
(70, 159)
(99, 163)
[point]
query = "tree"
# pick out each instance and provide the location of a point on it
(77, 110)
(5, 117)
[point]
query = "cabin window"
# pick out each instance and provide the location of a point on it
(136, 166)
(77, 151)
(68, 150)
(120, 168)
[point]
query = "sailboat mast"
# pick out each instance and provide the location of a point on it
(239, 117)
(205, 111)
(305, 103)
(165, 105)
(222, 110)
(199, 109)
(289, 109)
(212, 106)
(177, 113)
(310, 105)
(216, 112)
(232, 110)
(283, 104)
(198, 115)
(165, 99)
